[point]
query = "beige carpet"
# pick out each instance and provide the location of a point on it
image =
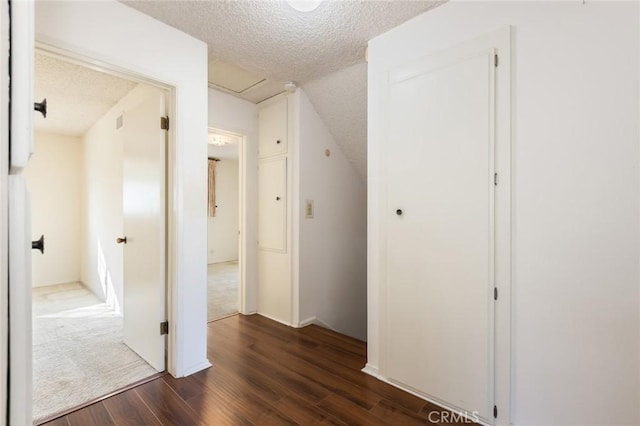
(78, 354)
(222, 289)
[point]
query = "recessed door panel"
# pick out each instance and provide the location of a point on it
(440, 230)
(272, 204)
(273, 129)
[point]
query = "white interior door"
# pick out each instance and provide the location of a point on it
(144, 228)
(20, 344)
(19, 235)
(440, 229)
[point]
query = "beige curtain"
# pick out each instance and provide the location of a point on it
(211, 202)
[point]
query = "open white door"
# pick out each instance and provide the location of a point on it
(20, 362)
(19, 235)
(144, 229)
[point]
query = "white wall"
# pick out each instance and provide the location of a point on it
(223, 229)
(575, 209)
(236, 115)
(54, 179)
(333, 245)
(146, 47)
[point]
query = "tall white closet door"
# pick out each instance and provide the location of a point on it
(440, 230)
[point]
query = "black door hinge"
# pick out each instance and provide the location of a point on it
(495, 60)
(164, 123)
(495, 411)
(164, 328)
(495, 179)
(495, 293)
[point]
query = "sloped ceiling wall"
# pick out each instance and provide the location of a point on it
(341, 100)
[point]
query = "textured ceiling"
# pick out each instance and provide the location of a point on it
(76, 96)
(322, 51)
(341, 100)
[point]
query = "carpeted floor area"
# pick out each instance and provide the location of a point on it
(78, 353)
(222, 289)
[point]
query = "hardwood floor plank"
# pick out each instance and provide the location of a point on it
(351, 356)
(304, 413)
(276, 419)
(60, 421)
(332, 338)
(214, 407)
(356, 376)
(279, 372)
(396, 415)
(363, 397)
(185, 387)
(128, 409)
(349, 412)
(166, 405)
(95, 414)
(232, 373)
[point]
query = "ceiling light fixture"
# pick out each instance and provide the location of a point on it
(304, 5)
(221, 139)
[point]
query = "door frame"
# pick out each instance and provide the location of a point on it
(171, 219)
(499, 40)
(243, 242)
(4, 202)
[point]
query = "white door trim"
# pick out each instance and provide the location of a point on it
(172, 223)
(499, 40)
(4, 202)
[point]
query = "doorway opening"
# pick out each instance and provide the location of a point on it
(224, 222)
(94, 185)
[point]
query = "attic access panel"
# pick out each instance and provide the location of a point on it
(231, 77)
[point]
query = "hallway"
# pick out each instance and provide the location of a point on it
(265, 373)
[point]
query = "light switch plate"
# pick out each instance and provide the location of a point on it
(308, 209)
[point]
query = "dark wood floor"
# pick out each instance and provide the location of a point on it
(265, 373)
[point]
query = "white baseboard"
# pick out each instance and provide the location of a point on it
(371, 370)
(316, 321)
(199, 367)
(288, 324)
